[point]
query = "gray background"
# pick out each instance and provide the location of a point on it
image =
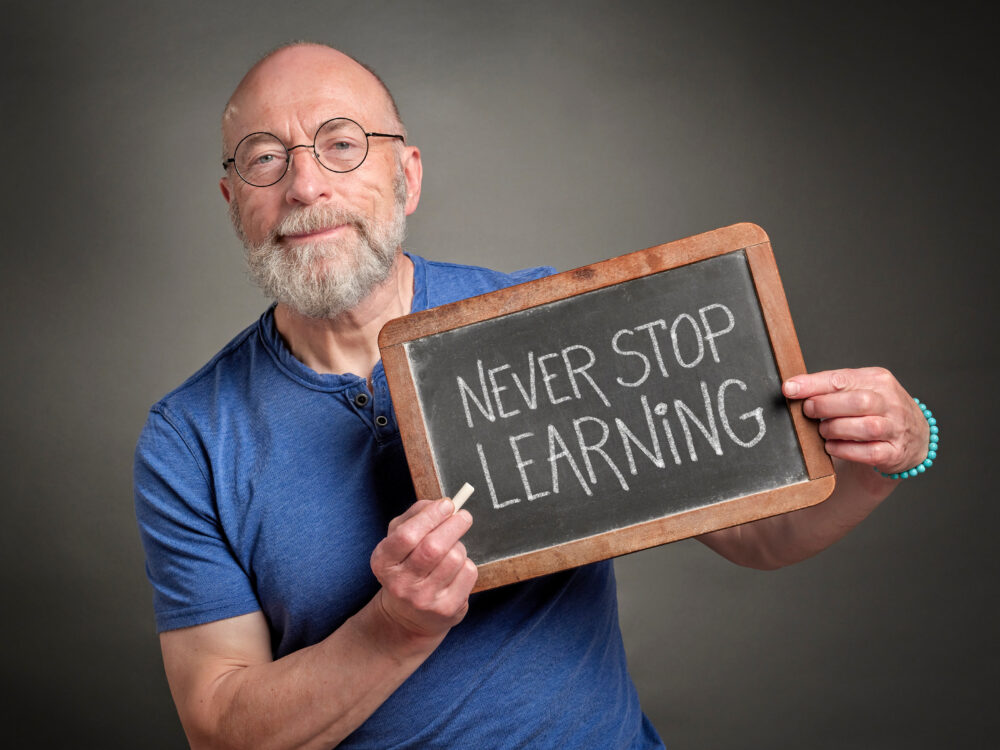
(861, 139)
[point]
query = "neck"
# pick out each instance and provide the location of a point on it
(348, 343)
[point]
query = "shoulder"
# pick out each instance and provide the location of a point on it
(450, 282)
(201, 401)
(220, 375)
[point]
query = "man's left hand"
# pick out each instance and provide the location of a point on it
(866, 416)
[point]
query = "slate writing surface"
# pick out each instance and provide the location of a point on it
(608, 408)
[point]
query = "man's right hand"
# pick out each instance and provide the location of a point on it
(425, 573)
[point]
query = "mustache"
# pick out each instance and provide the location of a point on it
(317, 218)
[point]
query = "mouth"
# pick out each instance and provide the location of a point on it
(313, 235)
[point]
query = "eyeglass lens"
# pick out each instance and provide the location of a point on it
(262, 159)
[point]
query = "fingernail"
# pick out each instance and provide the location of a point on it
(447, 507)
(792, 388)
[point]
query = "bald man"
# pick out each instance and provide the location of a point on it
(304, 597)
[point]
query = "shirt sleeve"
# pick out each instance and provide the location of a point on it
(195, 576)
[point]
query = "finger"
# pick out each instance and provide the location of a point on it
(452, 602)
(875, 453)
(857, 403)
(401, 542)
(462, 584)
(409, 513)
(445, 571)
(861, 429)
(833, 381)
(436, 545)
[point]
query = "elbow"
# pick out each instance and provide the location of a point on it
(763, 563)
(755, 559)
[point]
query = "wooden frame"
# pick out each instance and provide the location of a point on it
(749, 238)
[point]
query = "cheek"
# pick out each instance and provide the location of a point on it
(377, 189)
(258, 218)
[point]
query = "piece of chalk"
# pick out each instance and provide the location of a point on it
(462, 495)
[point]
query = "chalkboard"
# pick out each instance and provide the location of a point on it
(610, 408)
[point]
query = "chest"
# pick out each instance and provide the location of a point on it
(304, 496)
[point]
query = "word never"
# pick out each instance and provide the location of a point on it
(489, 402)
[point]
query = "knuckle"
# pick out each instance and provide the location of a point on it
(864, 401)
(882, 374)
(880, 453)
(874, 428)
(422, 601)
(445, 607)
(427, 554)
(433, 550)
(408, 536)
(396, 588)
(395, 523)
(840, 380)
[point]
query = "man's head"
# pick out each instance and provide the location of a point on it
(317, 240)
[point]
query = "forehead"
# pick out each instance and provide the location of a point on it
(295, 90)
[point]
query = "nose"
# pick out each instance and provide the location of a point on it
(307, 180)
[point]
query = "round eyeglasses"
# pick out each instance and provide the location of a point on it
(340, 145)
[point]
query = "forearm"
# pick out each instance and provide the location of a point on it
(790, 537)
(312, 698)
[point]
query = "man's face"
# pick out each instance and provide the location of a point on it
(317, 240)
(323, 274)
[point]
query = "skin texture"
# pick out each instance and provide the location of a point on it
(868, 420)
(228, 690)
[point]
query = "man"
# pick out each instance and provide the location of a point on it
(303, 597)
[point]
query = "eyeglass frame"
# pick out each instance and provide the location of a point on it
(312, 146)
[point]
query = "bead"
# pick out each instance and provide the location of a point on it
(932, 447)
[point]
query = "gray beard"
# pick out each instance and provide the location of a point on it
(325, 278)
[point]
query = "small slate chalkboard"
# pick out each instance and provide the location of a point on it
(610, 408)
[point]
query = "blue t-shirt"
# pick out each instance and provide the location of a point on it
(263, 485)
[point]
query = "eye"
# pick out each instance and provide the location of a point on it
(337, 145)
(260, 153)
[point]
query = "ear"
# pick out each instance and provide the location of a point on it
(413, 171)
(224, 187)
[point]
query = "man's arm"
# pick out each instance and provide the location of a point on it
(229, 692)
(868, 420)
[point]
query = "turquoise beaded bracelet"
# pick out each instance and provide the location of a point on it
(932, 447)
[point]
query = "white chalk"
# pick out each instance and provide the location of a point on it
(462, 495)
